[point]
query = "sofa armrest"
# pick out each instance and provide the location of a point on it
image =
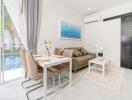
(93, 54)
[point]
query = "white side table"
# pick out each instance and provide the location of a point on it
(99, 64)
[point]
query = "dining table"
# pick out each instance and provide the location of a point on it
(48, 61)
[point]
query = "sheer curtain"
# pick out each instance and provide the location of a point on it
(13, 7)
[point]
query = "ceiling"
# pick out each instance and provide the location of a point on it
(95, 5)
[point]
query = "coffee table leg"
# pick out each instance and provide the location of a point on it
(103, 71)
(89, 66)
(70, 73)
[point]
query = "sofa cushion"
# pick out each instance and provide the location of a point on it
(76, 53)
(67, 53)
(82, 60)
(84, 52)
(78, 48)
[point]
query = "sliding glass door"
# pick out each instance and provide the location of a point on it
(0, 42)
(10, 48)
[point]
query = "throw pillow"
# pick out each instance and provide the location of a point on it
(67, 53)
(77, 53)
(84, 51)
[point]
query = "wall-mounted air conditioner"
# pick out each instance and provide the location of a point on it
(92, 19)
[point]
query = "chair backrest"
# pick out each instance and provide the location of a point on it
(32, 66)
(23, 59)
(58, 51)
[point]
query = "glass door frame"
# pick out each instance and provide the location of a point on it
(0, 40)
(2, 46)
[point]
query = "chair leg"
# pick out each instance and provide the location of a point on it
(22, 84)
(53, 81)
(62, 84)
(27, 94)
(59, 80)
(33, 85)
(25, 75)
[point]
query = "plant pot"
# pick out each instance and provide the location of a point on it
(100, 55)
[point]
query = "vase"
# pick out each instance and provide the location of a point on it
(100, 55)
(48, 53)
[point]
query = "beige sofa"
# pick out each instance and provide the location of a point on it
(80, 57)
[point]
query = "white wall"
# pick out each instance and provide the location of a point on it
(106, 34)
(52, 12)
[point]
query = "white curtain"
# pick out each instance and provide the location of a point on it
(14, 8)
(22, 25)
(25, 15)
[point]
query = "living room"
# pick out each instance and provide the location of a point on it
(88, 35)
(99, 29)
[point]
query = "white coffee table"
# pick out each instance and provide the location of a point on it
(99, 64)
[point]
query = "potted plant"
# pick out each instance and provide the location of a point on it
(100, 53)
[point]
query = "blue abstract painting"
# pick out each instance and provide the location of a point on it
(70, 31)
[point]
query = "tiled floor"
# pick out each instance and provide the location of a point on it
(81, 89)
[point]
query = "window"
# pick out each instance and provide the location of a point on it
(10, 47)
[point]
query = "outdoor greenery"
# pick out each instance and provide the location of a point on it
(12, 32)
(0, 24)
